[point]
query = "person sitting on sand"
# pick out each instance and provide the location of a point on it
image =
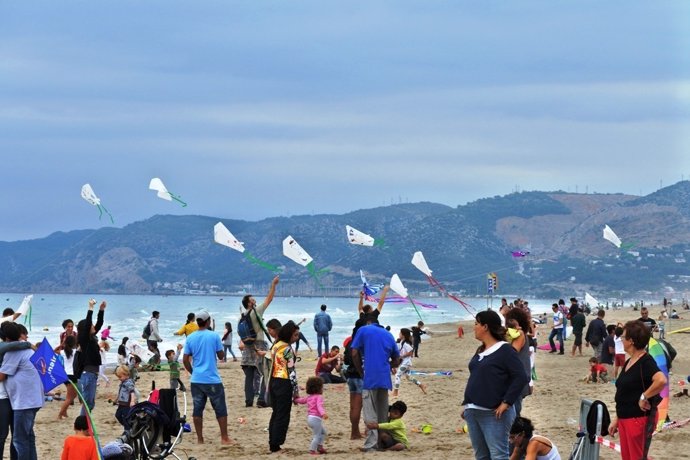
(392, 434)
(529, 446)
(80, 445)
(327, 363)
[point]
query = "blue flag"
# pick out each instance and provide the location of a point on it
(49, 366)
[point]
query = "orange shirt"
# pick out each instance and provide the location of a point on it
(79, 448)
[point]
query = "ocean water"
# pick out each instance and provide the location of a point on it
(128, 314)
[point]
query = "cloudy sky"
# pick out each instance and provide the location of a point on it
(255, 109)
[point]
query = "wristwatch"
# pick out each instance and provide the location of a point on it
(643, 397)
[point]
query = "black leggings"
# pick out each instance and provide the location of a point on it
(281, 402)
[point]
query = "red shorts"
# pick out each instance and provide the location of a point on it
(619, 360)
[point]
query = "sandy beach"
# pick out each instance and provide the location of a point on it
(553, 408)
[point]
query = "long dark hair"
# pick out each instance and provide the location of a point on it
(286, 332)
(522, 425)
(407, 335)
(190, 317)
(68, 345)
(491, 319)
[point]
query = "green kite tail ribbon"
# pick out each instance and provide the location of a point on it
(315, 273)
(415, 308)
(88, 415)
(378, 242)
(627, 246)
(261, 263)
(534, 373)
(27, 317)
(178, 199)
(101, 208)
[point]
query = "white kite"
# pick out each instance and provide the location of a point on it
(419, 262)
(222, 236)
(354, 236)
(591, 301)
(23, 309)
(162, 192)
(397, 286)
(90, 196)
(293, 251)
(611, 236)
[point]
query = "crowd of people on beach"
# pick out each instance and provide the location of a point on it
(372, 363)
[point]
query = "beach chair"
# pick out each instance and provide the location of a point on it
(593, 421)
(156, 425)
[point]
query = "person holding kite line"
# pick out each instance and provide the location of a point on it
(89, 354)
(259, 347)
(637, 394)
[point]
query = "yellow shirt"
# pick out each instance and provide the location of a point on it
(188, 329)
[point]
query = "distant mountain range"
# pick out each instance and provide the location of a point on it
(561, 231)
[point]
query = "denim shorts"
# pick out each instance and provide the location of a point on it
(213, 391)
(355, 385)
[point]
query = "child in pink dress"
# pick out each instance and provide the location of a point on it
(316, 414)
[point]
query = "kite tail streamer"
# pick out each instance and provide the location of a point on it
(101, 209)
(316, 273)
(436, 284)
(178, 199)
(261, 263)
(378, 242)
(27, 317)
(88, 416)
(415, 308)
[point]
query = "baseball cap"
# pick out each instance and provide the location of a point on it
(203, 315)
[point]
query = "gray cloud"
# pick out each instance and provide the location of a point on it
(252, 110)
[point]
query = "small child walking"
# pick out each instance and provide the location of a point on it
(126, 395)
(104, 348)
(227, 343)
(393, 434)
(174, 364)
(406, 351)
(316, 414)
(80, 445)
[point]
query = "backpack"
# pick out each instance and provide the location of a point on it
(245, 329)
(147, 331)
(669, 351)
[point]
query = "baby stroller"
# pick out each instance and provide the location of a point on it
(156, 425)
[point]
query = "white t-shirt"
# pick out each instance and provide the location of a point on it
(3, 391)
(69, 362)
(406, 348)
(619, 345)
(558, 318)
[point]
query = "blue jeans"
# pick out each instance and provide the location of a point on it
(322, 337)
(23, 437)
(489, 435)
(87, 382)
(226, 349)
(558, 333)
(201, 392)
